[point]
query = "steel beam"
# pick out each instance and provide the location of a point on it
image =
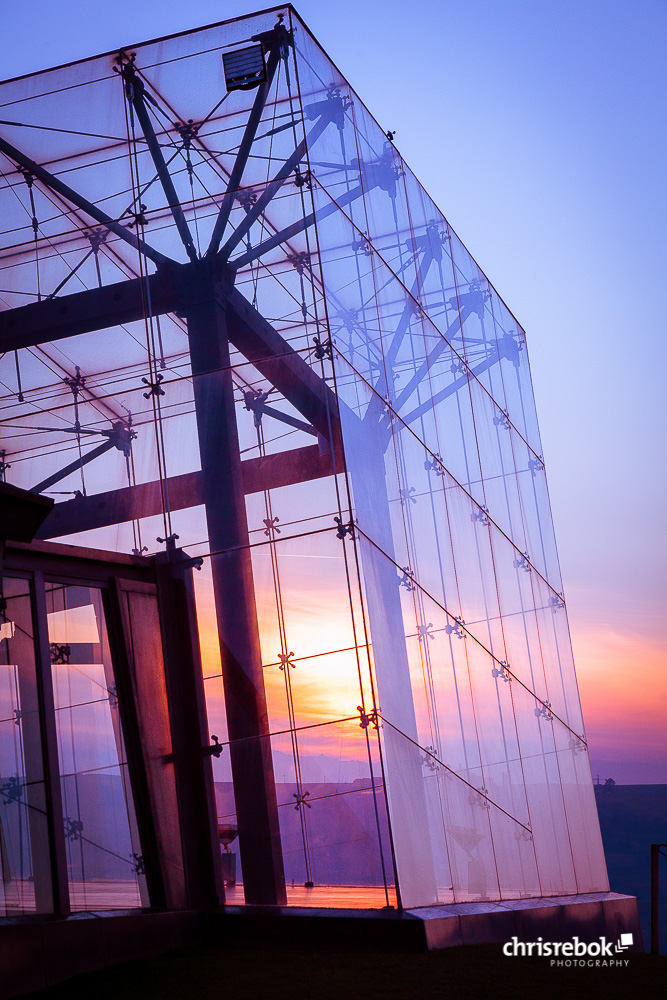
(411, 306)
(289, 232)
(136, 95)
(275, 185)
(145, 499)
(425, 367)
(246, 144)
(260, 409)
(85, 312)
(458, 383)
(63, 190)
(73, 467)
(281, 365)
(179, 288)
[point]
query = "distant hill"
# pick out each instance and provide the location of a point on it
(630, 772)
(631, 818)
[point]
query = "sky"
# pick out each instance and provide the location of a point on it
(540, 129)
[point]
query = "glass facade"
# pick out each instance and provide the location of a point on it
(387, 585)
(24, 853)
(104, 858)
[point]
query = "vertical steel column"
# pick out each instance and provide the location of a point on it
(54, 804)
(189, 734)
(238, 632)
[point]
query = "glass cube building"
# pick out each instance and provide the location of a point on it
(233, 322)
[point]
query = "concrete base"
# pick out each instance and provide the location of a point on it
(41, 952)
(588, 917)
(557, 918)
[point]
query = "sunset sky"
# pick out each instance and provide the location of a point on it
(540, 129)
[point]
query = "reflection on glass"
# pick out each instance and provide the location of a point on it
(329, 786)
(104, 859)
(25, 884)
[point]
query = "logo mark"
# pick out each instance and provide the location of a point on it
(574, 952)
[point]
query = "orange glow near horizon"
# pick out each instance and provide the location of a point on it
(622, 677)
(623, 687)
(318, 628)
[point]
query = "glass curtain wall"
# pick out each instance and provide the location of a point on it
(487, 773)
(422, 708)
(105, 865)
(25, 885)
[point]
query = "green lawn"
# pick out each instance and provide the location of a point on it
(219, 973)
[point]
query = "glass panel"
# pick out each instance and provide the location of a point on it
(333, 820)
(327, 769)
(25, 877)
(104, 858)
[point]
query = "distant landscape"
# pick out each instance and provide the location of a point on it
(652, 771)
(631, 818)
